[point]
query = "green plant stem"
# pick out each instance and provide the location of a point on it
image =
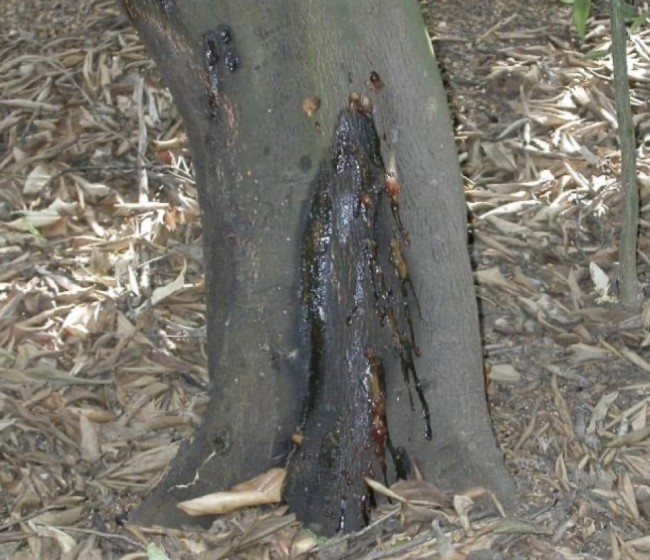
(630, 210)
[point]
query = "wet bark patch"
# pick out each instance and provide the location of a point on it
(358, 301)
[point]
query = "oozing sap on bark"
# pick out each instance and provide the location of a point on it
(357, 301)
(218, 45)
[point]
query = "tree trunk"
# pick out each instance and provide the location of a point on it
(264, 89)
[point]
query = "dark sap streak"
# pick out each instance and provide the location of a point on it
(231, 60)
(218, 46)
(225, 34)
(356, 291)
(364, 203)
(405, 346)
(211, 55)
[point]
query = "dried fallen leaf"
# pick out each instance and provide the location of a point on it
(61, 518)
(495, 278)
(504, 373)
(626, 491)
(163, 292)
(38, 178)
(421, 492)
(635, 358)
(584, 353)
(263, 489)
(91, 189)
(599, 412)
(601, 282)
(30, 220)
(631, 438)
(65, 541)
(381, 489)
(463, 504)
(89, 447)
(502, 158)
(302, 544)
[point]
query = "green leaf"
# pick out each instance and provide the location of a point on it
(155, 553)
(581, 9)
(597, 54)
(639, 21)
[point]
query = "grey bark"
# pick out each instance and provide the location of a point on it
(628, 278)
(255, 155)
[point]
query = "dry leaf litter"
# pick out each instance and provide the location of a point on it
(103, 363)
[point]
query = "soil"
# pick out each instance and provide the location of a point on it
(470, 40)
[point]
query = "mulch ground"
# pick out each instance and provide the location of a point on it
(102, 375)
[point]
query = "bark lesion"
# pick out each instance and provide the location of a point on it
(357, 295)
